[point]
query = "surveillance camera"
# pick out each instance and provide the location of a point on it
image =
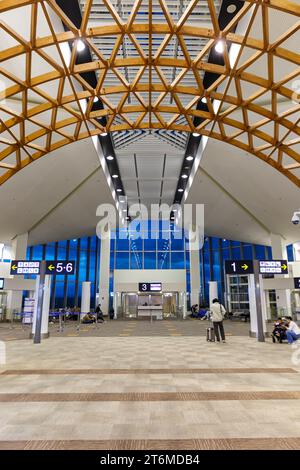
(295, 218)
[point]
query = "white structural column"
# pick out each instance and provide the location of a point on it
(46, 306)
(253, 306)
(213, 291)
(86, 297)
(104, 272)
(18, 251)
(283, 297)
(194, 265)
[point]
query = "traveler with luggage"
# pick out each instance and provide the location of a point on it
(217, 313)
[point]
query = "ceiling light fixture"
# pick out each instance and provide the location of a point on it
(103, 134)
(184, 176)
(110, 157)
(80, 46)
(180, 190)
(204, 100)
(115, 176)
(219, 47)
(196, 134)
(189, 158)
(119, 190)
(96, 99)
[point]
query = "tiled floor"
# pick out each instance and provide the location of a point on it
(149, 392)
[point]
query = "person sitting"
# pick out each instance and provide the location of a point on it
(99, 314)
(292, 330)
(194, 311)
(203, 313)
(279, 332)
(88, 318)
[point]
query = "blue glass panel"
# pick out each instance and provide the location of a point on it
(236, 253)
(93, 243)
(37, 254)
(235, 243)
(163, 260)
(50, 251)
(136, 260)
(59, 294)
(122, 260)
(187, 259)
(112, 260)
(216, 266)
(70, 294)
(177, 260)
(247, 250)
(163, 244)
(122, 245)
(290, 252)
(269, 250)
(215, 243)
(61, 252)
(225, 243)
(82, 266)
(177, 244)
(137, 244)
(225, 254)
(149, 245)
(260, 252)
(92, 270)
(84, 243)
(149, 260)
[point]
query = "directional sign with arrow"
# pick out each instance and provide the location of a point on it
(21, 267)
(239, 267)
(273, 266)
(60, 267)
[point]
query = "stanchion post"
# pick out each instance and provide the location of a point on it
(259, 314)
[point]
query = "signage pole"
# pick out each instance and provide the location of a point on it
(259, 314)
(40, 299)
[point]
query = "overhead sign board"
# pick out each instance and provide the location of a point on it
(297, 282)
(273, 267)
(60, 267)
(239, 267)
(150, 286)
(21, 267)
(1, 283)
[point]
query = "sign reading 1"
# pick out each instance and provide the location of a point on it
(60, 267)
(239, 267)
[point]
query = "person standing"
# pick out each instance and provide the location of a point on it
(217, 312)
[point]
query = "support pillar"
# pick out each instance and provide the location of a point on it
(18, 251)
(104, 272)
(86, 297)
(213, 291)
(283, 296)
(45, 308)
(194, 265)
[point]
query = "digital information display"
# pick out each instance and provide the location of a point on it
(60, 267)
(297, 282)
(273, 267)
(150, 286)
(21, 267)
(1, 283)
(239, 267)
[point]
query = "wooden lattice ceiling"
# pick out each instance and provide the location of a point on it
(35, 119)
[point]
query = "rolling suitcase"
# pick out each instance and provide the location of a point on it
(210, 334)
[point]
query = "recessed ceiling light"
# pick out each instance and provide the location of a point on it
(96, 99)
(189, 158)
(119, 190)
(80, 46)
(184, 176)
(103, 134)
(115, 176)
(219, 47)
(196, 134)
(124, 210)
(231, 8)
(110, 157)
(180, 190)
(204, 100)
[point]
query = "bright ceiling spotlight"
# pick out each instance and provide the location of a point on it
(103, 134)
(110, 157)
(180, 190)
(184, 176)
(119, 190)
(115, 176)
(204, 100)
(189, 158)
(96, 99)
(231, 8)
(80, 46)
(124, 210)
(196, 134)
(219, 47)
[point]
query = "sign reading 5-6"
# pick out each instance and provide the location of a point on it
(60, 267)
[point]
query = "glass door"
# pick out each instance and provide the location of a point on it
(130, 305)
(170, 304)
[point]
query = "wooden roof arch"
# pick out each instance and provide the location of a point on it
(38, 128)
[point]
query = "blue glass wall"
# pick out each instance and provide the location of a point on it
(164, 250)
